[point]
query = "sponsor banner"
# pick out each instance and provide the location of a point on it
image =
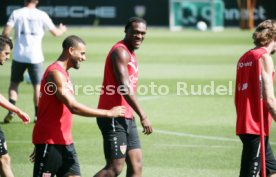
(110, 12)
(216, 13)
(95, 12)
(264, 10)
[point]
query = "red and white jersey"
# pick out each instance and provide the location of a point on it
(110, 93)
(247, 95)
(54, 120)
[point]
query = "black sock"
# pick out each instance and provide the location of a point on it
(36, 107)
(12, 102)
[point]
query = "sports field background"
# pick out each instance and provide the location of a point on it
(194, 135)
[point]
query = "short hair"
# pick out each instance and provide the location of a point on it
(5, 41)
(134, 19)
(264, 33)
(71, 41)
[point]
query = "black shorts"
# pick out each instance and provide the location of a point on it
(119, 136)
(3, 144)
(34, 70)
(251, 161)
(59, 160)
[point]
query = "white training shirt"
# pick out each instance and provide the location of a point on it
(30, 26)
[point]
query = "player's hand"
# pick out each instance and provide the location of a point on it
(117, 111)
(24, 117)
(147, 128)
(32, 156)
(62, 27)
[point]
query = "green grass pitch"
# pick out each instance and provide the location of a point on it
(194, 127)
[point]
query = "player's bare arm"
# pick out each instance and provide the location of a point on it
(7, 31)
(59, 30)
(75, 107)
(7, 105)
(120, 59)
(268, 88)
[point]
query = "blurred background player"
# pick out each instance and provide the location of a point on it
(5, 161)
(246, 100)
(30, 25)
(120, 135)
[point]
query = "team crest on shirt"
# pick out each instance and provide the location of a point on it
(46, 175)
(123, 149)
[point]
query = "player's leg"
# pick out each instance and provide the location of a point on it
(48, 159)
(272, 175)
(17, 72)
(5, 168)
(35, 73)
(5, 160)
(112, 168)
(134, 151)
(134, 163)
(250, 160)
(71, 165)
(13, 91)
(115, 145)
(36, 88)
(270, 161)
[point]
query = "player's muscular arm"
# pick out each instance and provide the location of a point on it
(65, 96)
(120, 59)
(268, 88)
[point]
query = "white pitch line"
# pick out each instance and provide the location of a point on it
(216, 138)
(195, 146)
(165, 132)
(195, 136)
